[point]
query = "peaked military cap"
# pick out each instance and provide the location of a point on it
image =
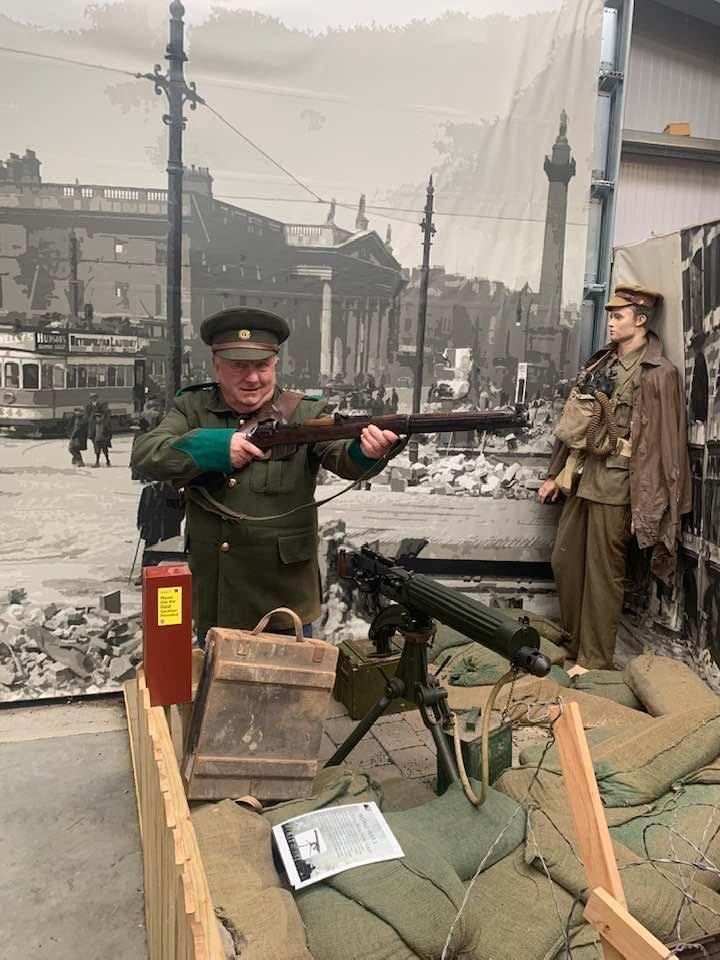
(633, 294)
(244, 333)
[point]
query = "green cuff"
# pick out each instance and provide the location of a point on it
(210, 449)
(355, 451)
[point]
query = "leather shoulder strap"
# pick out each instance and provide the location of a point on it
(288, 402)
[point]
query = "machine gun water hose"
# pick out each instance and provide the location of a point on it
(484, 744)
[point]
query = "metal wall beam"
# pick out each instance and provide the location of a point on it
(608, 136)
(637, 143)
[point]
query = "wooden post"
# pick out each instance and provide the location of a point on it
(621, 936)
(591, 826)
(620, 929)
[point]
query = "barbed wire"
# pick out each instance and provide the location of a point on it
(518, 808)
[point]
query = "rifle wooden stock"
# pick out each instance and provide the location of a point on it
(338, 427)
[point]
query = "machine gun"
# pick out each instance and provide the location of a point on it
(417, 601)
(273, 433)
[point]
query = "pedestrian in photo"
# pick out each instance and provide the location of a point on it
(100, 431)
(78, 436)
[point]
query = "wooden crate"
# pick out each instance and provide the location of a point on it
(179, 913)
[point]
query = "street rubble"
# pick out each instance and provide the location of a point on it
(509, 467)
(64, 650)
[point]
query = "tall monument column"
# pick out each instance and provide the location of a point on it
(559, 169)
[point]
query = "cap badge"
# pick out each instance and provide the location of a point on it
(244, 334)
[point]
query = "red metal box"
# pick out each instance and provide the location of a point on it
(167, 633)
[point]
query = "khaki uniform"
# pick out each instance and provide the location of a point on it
(588, 559)
(241, 570)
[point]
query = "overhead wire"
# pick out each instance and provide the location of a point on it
(70, 60)
(264, 153)
(374, 208)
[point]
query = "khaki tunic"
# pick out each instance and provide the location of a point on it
(242, 570)
(607, 479)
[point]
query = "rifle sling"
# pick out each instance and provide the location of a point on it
(204, 499)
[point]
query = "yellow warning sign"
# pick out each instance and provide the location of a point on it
(169, 606)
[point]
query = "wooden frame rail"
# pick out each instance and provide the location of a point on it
(621, 936)
(179, 913)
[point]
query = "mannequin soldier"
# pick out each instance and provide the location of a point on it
(641, 487)
(244, 568)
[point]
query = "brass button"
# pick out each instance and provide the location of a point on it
(232, 482)
(225, 547)
(241, 423)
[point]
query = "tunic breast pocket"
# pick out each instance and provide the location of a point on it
(623, 416)
(277, 476)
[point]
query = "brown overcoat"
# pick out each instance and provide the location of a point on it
(660, 489)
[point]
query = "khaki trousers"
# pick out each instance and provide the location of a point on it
(588, 561)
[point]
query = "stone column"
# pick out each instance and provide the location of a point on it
(326, 343)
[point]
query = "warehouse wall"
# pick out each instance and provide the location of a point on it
(658, 196)
(674, 71)
(674, 75)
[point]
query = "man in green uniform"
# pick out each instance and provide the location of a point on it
(637, 486)
(251, 522)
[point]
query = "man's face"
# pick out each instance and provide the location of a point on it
(624, 324)
(246, 384)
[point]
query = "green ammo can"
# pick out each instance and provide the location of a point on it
(361, 676)
(500, 744)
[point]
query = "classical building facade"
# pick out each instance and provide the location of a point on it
(338, 289)
(88, 253)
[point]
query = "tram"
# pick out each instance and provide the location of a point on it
(46, 373)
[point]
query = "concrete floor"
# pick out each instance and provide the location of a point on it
(71, 878)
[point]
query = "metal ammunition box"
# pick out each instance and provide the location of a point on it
(470, 736)
(362, 676)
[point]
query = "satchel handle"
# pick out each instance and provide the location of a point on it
(297, 622)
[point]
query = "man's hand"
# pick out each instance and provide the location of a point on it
(375, 443)
(242, 452)
(549, 491)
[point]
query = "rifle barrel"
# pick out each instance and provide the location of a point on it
(345, 428)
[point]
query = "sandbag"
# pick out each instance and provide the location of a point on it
(607, 683)
(548, 629)
(527, 691)
(639, 763)
(415, 898)
(643, 765)
(332, 787)
(339, 929)
(410, 904)
(462, 834)
(683, 824)
(655, 892)
(475, 666)
(531, 755)
(665, 685)
(447, 639)
(514, 911)
(246, 890)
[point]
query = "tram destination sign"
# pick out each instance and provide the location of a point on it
(17, 340)
(102, 343)
(51, 341)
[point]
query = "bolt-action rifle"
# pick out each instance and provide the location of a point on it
(274, 433)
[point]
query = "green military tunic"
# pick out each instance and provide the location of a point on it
(243, 569)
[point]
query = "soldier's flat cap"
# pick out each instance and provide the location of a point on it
(244, 333)
(633, 294)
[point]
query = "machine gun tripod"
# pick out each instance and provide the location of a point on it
(419, 599)
(411, 682)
